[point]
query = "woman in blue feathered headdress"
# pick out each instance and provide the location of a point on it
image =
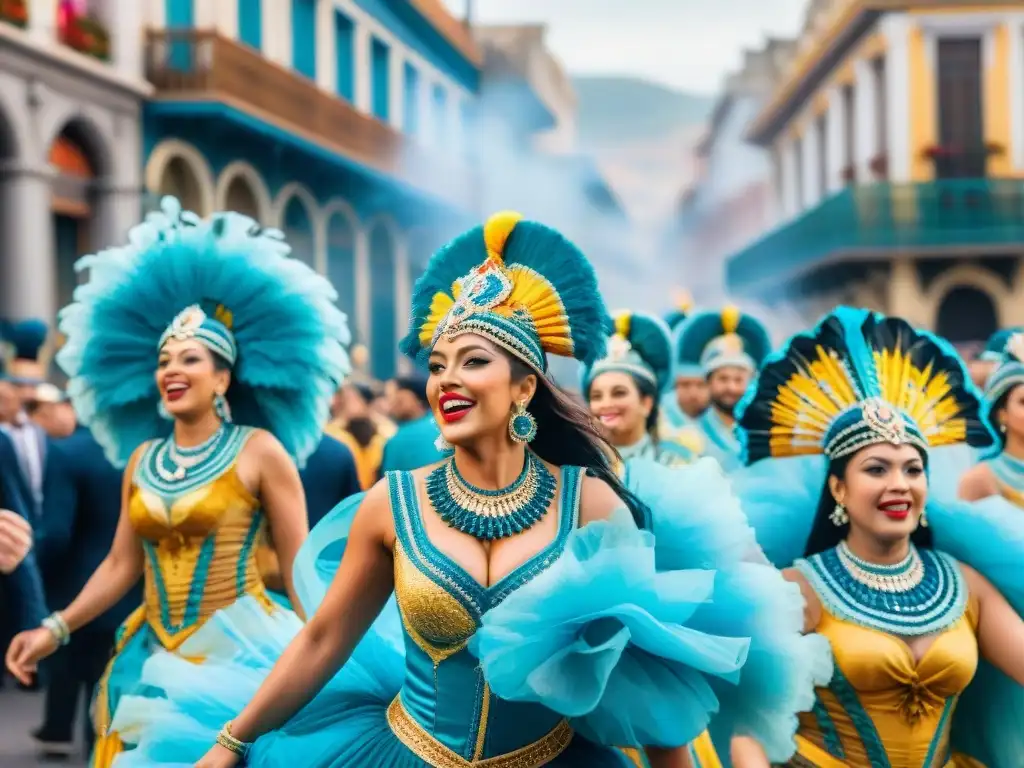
(1003, 474)
(204, 360)
(533, 622)
(838, 431)
(623, 389)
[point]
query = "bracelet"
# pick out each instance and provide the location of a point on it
(58, 628)
(226, 740)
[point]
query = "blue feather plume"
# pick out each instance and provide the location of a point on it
(290, 334)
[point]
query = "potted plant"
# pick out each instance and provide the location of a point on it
(14, 12)
(83, 33)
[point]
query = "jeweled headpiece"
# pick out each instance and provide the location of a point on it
(996, 344)
(178, 277)
(518, 283)
(1009, 370)
(711, 340)
(858, 379)
(212, 332)
(640, 346)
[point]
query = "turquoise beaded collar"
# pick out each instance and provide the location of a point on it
(923, 594)
(170, 470)
(486, 514)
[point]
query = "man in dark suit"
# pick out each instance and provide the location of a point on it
(82, 504)
(22, 601)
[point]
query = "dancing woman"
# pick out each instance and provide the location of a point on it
(838, 430)
(624, 388)
(531, 624)
(1003, 475)
(204, 359)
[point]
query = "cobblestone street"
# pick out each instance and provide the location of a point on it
(20, 712)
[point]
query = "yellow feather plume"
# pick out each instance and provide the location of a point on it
(730, 319)
(623, 320)
(496, 232)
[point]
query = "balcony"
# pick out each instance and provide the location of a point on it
(201, 67)
(867, 222)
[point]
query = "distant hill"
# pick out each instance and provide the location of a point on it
(617, 110)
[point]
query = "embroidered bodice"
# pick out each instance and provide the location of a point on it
(198, 537)
(884, 708)
(445, 712)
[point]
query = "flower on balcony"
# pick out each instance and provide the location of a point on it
(941, 152)
(14, 12)
(82, 32)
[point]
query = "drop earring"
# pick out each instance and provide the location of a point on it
(221, 408)
(164, 413)
(522, 427)
(442, 445)
(839, 517)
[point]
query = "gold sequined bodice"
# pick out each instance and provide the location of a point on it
(882, 700)
(199, 553)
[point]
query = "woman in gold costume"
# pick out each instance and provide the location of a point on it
(533, 621)
(203, 358)
(912, 595)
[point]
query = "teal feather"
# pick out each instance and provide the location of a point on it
(27, 338)
(531, 245)
(290, 334)
(675, 319)
(702, 328)
(651, 340)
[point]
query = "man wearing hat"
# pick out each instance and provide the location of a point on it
(684, 403)
(728, 347)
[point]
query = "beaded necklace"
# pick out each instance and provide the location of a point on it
(486, 514)
(922, 594)
(171, 470)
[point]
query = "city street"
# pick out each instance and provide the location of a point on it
(20, 713)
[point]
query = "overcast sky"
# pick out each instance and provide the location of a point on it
(688, 44)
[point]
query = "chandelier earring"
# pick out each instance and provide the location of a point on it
(522, 427)
(923, 522)
(839, 517)
(442, 445)
(164, 413)
(222, 408)
(1002, 427)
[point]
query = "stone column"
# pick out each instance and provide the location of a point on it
(363, 68)
(896, 28)
(809, 146)
(42, 20)
(835, 129)
(362, 330)
(403, 295)
(28, 272)
(865, 119)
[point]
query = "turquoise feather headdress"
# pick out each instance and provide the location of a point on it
(708, 341)
(231, 285)
(858, 379)
(640, 346)
(518, 283)
(1008, 373)
(996, 344)
(29, 362)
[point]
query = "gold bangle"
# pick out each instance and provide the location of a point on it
(226, 740)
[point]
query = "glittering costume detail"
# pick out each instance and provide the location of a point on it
(640, 346)
(517, 283)
(859, 379)
(933, 596)
(434, 753)
(487, 514)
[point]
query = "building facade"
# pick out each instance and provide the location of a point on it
(896, 133)
(71, 92)
(731, 201)
(342, 122)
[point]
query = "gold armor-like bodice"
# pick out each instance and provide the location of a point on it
(200, 553)
(882, 700)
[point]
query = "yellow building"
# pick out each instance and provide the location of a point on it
(897, 138)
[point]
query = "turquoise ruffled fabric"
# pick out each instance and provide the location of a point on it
(987, 535)
(627, 667)
(698, 522)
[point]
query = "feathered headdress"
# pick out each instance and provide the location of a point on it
(708, 341)
(682, 306)
(1007, 374)
(859, 379)
(520, 284)
(996, 344)
(29, 353)
(230, 285)
(640, 346)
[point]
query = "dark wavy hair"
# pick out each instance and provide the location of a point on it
(825, 534)
(567, 435)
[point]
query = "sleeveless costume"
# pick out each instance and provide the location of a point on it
(860, 379)
(230, 286)
(610, 639)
